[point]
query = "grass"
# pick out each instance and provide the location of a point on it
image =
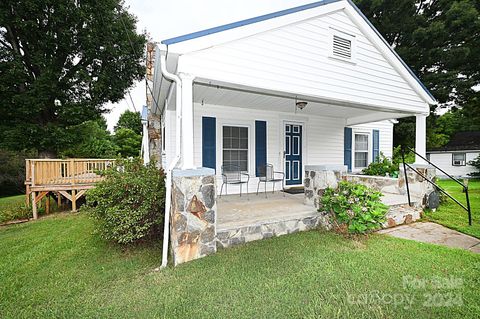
(13, 207)
(57, 267)
(453, 216)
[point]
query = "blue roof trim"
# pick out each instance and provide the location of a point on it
(241, 23)
(388, 45)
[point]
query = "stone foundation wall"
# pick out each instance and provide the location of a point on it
(379, 183)
(193, 214)
(318, 178)
(419, 187)
(235, 236)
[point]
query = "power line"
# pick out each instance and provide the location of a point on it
(135, 53)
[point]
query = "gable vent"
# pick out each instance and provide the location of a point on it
(342, 47)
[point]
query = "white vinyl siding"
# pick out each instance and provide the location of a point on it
(322, 136)
(444, 161)
(297, 58)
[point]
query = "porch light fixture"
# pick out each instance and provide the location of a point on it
(301, 104)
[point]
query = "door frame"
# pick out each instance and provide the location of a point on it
(303, 123)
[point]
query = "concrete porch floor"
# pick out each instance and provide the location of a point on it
(235, 211)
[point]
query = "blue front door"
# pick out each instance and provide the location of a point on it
(293, 154)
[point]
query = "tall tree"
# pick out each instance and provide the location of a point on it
(128, 142)
(440, 41)
(131, 120)
(60, 62)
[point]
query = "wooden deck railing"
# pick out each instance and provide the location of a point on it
(44, 172)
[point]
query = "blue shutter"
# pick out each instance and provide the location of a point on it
(376, 145)
(347, 148)
(260, 145)
(209, 152)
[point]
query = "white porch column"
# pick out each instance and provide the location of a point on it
(421, 137)
(187, 120)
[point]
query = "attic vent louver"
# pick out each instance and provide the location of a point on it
(342, 47)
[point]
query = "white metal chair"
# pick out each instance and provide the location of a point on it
(231, 174)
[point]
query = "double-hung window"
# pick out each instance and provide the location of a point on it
(459, 159)
(361, 150)
(235, 147)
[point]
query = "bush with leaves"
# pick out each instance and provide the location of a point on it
(129, 204)
(356, 206)
(397, 156)
(381, 167)
(475, 163)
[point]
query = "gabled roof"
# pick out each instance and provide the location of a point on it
(241, 23)
(462, 141)
(195, 35)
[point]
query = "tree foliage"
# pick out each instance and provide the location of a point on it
(130, 120)
(440, 41)
(60, 62)
(90, 139)
(128, 142)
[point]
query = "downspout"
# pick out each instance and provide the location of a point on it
(168, 192)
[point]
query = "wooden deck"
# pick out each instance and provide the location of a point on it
(66, 178)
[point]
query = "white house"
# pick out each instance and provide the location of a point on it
(312, 88)
(311, 85)
(453, 158)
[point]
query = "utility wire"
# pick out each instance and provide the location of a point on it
(134, 52)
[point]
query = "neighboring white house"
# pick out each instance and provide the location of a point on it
(311, 85)
(454, 157)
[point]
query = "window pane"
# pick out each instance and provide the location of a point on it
(361, 142)
(361, 159)
(227, 131)
(458, 156)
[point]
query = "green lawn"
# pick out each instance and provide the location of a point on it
(13, 207)
(11, 200)
(57, 267)
(455, 217)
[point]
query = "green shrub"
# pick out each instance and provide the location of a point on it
(397, 156)
(475, 163)
(356, 206)
(129, 204)
(381, 167)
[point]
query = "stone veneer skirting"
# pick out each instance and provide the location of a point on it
(193, 214)
(379, 183)
(235, 236)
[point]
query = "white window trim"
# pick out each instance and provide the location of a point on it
(464, 162)
(347, 36)
(250, 158)
(369, 150)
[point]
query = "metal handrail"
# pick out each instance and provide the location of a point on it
(441, 170)
(465, 187)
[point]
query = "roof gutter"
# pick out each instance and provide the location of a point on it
(175, 160)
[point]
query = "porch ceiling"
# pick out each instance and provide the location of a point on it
(219, 94)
